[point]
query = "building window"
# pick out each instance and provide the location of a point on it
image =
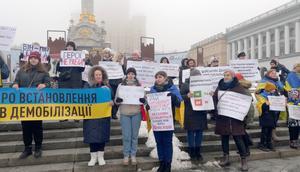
(264, 52)
(264, 39)
(292, 46)
(272, 37)
(281, 35)
(281, 53)
(292, 32)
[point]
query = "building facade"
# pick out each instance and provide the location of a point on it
(272, 35)
(214, 46)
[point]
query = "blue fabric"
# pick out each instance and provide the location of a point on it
(278, 84)
(164, 145)
(194, 138)
(293, 80)
(173, 89)
(130, 130)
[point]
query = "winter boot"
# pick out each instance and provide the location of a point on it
(293, 144)
(27, 152)
(161, 167)
(274, 136)
(198, 154)
(38, 152)
(244, 164)
(168, 167)
(101, 160)
(93, 160)
(225, 161)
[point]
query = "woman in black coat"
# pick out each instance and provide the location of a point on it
(32, 75)
(194, 121)
(96, 132)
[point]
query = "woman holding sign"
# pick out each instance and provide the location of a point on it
(96, 132)
(225, 125)
(292, 86)
(130, 117)
(164, 138)
(194, 121)
(32, 74)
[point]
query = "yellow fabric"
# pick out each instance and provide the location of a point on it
(287, 86)
(260, 101)
(260, 86)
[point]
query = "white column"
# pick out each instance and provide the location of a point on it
(246, 46)
(233, 53)
(239, 49)
(252, 40)
(286, 39)
(277, 43)
(297, 34)
(260, 42)
(228, 53)
(268, 44)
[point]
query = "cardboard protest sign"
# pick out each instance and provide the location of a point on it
(72, 59)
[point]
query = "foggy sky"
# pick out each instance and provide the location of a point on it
(175, 24)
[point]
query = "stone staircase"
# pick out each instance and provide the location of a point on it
(64, 150)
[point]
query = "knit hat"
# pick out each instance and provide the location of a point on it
(34, 54)
(241, 54)
(232, 73)
(270, 86)
(131, 70)
(72, 44)
(273, 61)
(162, 73)
(239, 76)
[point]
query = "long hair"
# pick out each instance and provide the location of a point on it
(91, 76)
(39, 67)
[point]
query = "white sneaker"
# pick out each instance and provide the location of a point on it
(126, 161)
(93, 160)
(101, 158)
(133, 160)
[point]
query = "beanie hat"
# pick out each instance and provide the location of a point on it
(232, 73)
(72, 44)
(241, 54)
(162, 73)
(270, 86)
(35, 54)
(273, 61)
(239, 76)
(131, 70)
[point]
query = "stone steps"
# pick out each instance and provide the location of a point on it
(144, 163)
(65, 151)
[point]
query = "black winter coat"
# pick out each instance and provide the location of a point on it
(32, 78)
(193, 120)
(75, 79)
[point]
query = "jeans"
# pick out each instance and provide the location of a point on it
(130, 131)
(194, 138)
(32, 129)
(294, 133)
(164, 145)
(239, 142)
(96, 147)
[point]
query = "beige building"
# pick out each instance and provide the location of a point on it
(123, 30)
(214, 46)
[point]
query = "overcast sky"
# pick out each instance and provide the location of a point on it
(176, 24)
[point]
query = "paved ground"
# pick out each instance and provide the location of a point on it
(268, 165)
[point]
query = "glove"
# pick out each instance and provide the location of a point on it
(147, 107)
(119, 100)
(142, 100)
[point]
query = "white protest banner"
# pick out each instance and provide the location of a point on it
(160, 112)
(85, 73)
(233, 105)
(145, 71)
(7, 35)
(114, 69)
(72, 59)
(172, 70)
(185, 75)
(201, 86)
(277, 103)
(215, 73)
(131, 94)
(294, 112)
(28, 48)
(174, 58)
(248, 68)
